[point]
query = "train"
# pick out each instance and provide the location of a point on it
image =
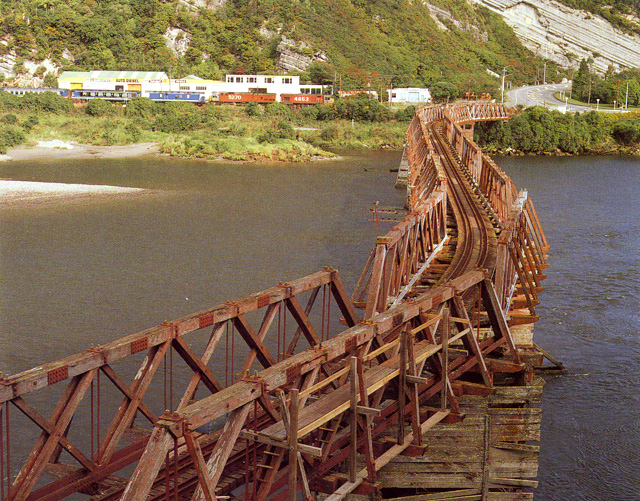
(191, 97)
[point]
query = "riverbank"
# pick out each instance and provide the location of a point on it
(274, 132)
(20, 194)
(56, 149)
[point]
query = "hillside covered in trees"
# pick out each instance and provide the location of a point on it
(354, 43)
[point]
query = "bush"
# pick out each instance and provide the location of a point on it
(329, 133)
(99, 108)
(177, 117)
(326, 112)
(48, 102)
(286, 130)
(309, 112)
(253, 109)
(407, 114)
(141, 107)
(50, 81)
(627, 131)
(133, 132)
(30, 122)
(281, 130)
(362, 109)
(10, 136)
(277, 110)
(10, 119)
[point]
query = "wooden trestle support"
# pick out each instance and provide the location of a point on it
(345, 406)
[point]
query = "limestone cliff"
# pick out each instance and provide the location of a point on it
(566, 35)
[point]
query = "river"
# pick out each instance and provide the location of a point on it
(590, 319)
(78, 274)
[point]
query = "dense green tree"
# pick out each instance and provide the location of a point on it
(320, 73)
(442, 92)
(50, 81)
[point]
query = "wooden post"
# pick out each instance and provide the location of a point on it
(445, 358)
(413, 391)
(293, 444)
(371, 463)
(353, 419)
(402, 385)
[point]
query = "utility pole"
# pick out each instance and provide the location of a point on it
(626, 99)
(544, 75)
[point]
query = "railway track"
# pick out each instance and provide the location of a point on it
(475, 232)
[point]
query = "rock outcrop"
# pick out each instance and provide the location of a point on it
(567, 36)
(297, 56)
(178, 40)
(194, 5)
(440, 16)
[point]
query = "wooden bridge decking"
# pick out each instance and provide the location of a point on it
(291, 393)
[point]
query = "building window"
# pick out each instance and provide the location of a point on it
(184, 87)
(305, 91)
(200, 87)
(287, 80)
(229, 79)
(239, 79)
(251, 79)
(268, 80)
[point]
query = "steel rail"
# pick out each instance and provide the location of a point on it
(476, 245)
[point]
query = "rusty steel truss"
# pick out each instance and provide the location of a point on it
(291, 390)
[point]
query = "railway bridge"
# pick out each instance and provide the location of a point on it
(417, 386)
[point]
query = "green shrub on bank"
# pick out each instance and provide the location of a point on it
(539, 130)
(30, 122)
(140, 107)
(99, 108)
(407, 114)
(10, 136)
(627, 131)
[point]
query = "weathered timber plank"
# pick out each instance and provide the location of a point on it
(415, 468)
(516, 395)
(510, 496)
(338, 401)
(439, 496)
(514, 482)
(432, 481)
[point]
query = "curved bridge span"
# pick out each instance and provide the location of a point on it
(303, 392)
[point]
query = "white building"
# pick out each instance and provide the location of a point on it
(269, 84)
(409, 95)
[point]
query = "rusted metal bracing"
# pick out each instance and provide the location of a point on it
(396, 263)
(223, 361)
(338, 403)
